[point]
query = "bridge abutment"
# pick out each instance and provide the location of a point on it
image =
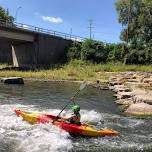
(51, 49)
(23, 54)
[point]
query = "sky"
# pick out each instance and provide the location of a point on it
(69, 16)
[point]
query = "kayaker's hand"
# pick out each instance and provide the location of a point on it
(58, 117)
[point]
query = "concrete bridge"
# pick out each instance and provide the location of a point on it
(24, 45)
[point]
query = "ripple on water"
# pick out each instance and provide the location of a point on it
(19, 136)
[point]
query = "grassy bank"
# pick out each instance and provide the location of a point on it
(76, 70)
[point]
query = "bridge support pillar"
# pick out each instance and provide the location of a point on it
(23, 54)
(15, 61)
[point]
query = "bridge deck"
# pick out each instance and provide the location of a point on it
(34, 29)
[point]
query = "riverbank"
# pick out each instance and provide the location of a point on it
(75, 71)
(133, 91)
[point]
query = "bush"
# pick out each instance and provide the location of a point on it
(74, 52)
(94, 51)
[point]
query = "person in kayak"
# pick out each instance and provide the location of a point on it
(75, 117)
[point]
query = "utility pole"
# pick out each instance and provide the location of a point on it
(17, 12)
(70, 33)
(90, 27)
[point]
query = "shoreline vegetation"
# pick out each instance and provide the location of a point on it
(75, 70)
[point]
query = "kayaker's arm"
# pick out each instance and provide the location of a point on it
(66, 118)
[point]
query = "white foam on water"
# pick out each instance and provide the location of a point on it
(2, 130)
(54, 112)
(45, 138)
(31, 138)
(123, 122)
(116, 144)
(135, 122)
(91, 117)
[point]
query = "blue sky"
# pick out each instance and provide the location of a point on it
(69, 15)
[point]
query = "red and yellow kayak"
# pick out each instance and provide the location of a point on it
(83, 129)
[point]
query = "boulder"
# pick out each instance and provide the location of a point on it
(121, 88)
(139, 109)
(133, 84)
(134, 80)
(12, 80)
(113, 83)
(127, 101)
(123, 95)
(147, 80)
(146, 98)
(113, 78)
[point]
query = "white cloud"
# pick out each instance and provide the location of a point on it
(56, 20)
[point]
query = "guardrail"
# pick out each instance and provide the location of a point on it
(40, 30)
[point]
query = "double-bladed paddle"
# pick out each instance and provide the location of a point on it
(82, 86)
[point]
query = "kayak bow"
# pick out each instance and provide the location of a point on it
(83, 129)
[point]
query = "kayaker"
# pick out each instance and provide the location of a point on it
(75, 117)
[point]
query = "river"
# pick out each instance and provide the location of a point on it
(97, 108)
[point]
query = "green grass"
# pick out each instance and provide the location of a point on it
(76, 70)
(4, 65)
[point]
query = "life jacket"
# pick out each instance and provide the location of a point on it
(75, 119)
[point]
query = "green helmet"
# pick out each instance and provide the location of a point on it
(76, 108)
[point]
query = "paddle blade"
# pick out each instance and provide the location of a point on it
(83, 85)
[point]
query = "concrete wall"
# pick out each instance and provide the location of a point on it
(51, 50)
(5, 52)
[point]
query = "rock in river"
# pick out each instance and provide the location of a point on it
(139, 109)
(13, 80)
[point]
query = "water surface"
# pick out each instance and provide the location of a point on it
(97, 107)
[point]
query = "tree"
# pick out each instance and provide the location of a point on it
(4, 15)
(94, 51)
(117, 52)
(136, 18)
(74, 51)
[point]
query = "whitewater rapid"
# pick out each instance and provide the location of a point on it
(19, 135)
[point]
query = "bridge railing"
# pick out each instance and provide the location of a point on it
(40, 30)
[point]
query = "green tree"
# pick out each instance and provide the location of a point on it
(94, 51)
(136, 18)
(117, 52)
(4, 15)
(74, 52)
